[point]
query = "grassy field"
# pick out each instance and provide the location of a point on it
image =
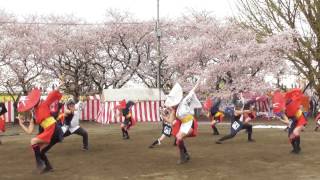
(110, 157)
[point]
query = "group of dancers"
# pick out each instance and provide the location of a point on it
(178, 119)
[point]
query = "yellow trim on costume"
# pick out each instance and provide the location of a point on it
(218, 114)
(187, 118)
(47, 122)
(128, 115)
(298, 114)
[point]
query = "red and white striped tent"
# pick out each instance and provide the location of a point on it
(146, 108)
(90, 110)
(9, 116)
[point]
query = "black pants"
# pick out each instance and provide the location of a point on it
(248, 127)
(81, 132)
(56, 137)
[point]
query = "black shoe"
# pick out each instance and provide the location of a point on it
(218, 142)
(174, 143)
(184, 157)
(40, 167)
(216, 133)
(85, 149)
(298, 149)
(183, 160)
(294, 151)
(156, 142)
(46, 170)
(251, 140)
(187, 156)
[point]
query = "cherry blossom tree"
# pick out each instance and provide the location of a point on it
(23, 49)
(269, 17)
(126, 52)
(226, 55)
(70, 58)
(93, 57)
(26, 50)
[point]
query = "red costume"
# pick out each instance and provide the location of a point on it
(51, 133)
(251, 115)
(293, 104)
(3, 110)
(214, 115)
(177, 124)
(301, 120)
(278, 102)
(42, 111)
(129, 121)
(43, 116)
(2, 124)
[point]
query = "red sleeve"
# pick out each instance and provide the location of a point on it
(2, 124)
(278, 102)
(52, 97)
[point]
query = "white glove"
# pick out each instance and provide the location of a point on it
(64, 128)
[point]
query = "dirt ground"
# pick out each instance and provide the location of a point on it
(110, 157)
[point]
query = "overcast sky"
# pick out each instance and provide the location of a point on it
(94, 10)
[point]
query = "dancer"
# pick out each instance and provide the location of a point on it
(129, 121)
(3, 110)
(72, 125)
(41, 115)
(166, 129)
(236, 117)
(182, 110)
(211, 107)
(294, 118)
(249, 105)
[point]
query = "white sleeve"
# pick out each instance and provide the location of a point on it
(188, 104)
(79, 106)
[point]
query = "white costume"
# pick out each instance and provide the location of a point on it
(185, 111)
(74, 124)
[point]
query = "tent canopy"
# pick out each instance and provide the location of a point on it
(133, 94)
